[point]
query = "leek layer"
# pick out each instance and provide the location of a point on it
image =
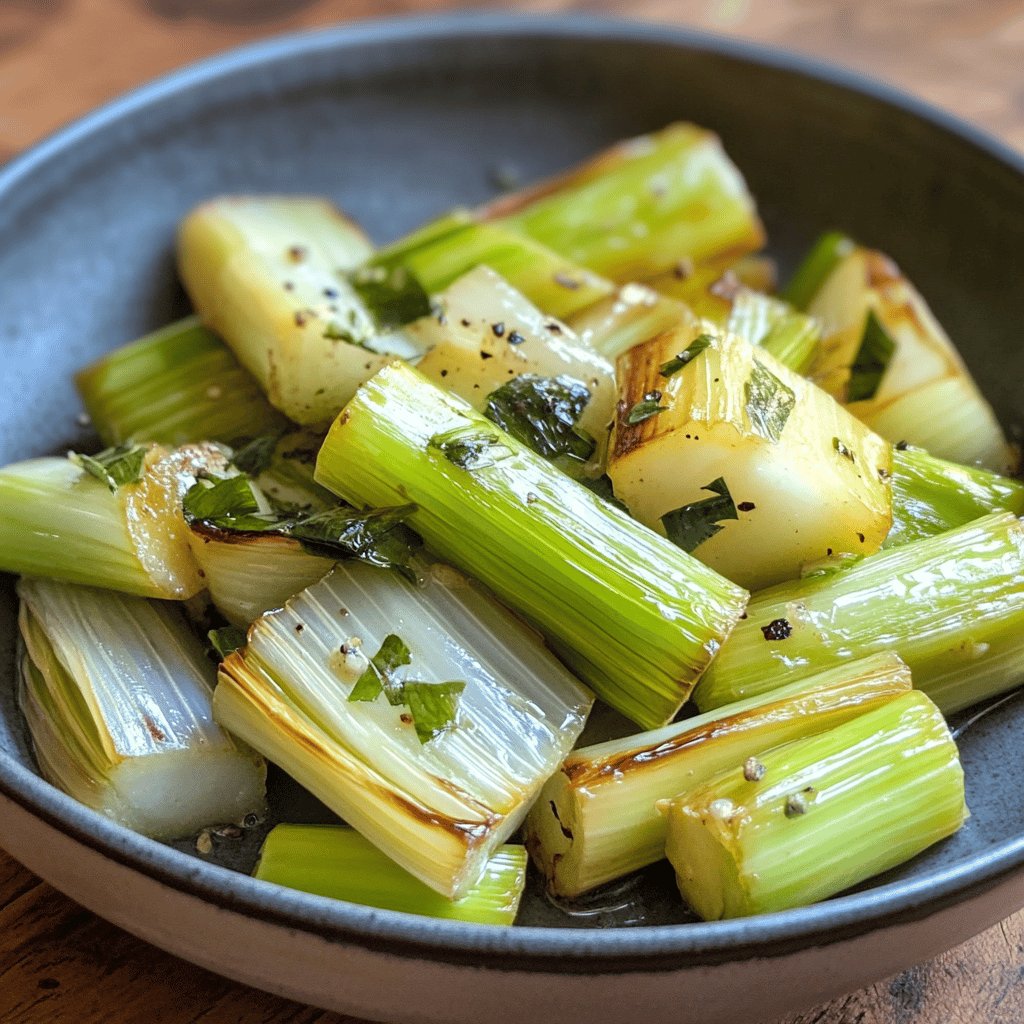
(825, 813)
(117, 694)
(634, 616)
(439, 808)
(952, 607)
(595, 820)
(339, 863)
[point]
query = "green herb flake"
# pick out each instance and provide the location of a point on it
(872, 360)
(644, 410)
(229, 503)
(378, 677)
(602, 487)
(688, 527)
(433, 706)
(377, 536)
(226, 640)
(256, 456)
(543, 413)
(114, 466)
(769, 403)
(392, 296)
(467, 449)
(694, 349)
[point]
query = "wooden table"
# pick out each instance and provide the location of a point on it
(58, 58)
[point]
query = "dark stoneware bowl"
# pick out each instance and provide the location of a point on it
(398, 121)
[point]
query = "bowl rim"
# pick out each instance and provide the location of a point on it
(544, 950)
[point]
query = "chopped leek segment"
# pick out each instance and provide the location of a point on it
(887, 357)
(438, 259)
(820, 815)
(634, 616)
(117, 694)
(795, 478)
(339, 863)
(58, 520)
(952, 607)
(271, 275)
(439, 808)
(642, 206)
(177, 385)
(490, 335)
(595, 820)
(931, 495)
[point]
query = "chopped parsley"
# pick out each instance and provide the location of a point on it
(644, 410)
(432, 706)
(392, 295)
(543, 413)
(768, 402)
(694, 349)
(226, 640)
(872, 360)
(114, 466)
(688, 527)
(256, 456)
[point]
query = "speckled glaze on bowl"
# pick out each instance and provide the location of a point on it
(398, 121)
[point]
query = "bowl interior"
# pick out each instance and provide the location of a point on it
(397, 126)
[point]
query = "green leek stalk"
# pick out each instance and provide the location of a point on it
(634, 616)
(436, 259)
(823, 813)
(931, 495)
(174, 386)
(117, 693)
(642, 206)
(58, 521)
(272, 276)
(339, 863)
(951, 606)
(596, 819)
(789, 336)
(887, 358)
(797, 478)
(436, 779)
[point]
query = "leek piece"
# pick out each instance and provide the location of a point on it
(629, 316)
(823, 814)
(117, 694)
(176, 385)
(439, 808)
(817, 266)
(595, 820)
(634, 616)
(797, 477)
(339, 863)
(439, 258)
(789, 336)
(271, 275)
(885, 355)
(250, 573)
(490, 334)
(58, 521)
(642, 206)
(952, 607)
(286, 473)
(931, 495)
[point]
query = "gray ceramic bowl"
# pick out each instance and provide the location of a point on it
(397, 121)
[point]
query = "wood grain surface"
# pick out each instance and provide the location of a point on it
(59, 58)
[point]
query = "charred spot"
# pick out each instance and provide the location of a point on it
(565, 832)
(297, 253)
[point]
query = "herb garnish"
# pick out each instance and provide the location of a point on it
(644, 410)
(543, 413)
(768, 402)
(256, 456)
(602, 487)
(872, 360)
(229, 503)
(114, 466)
(226, 640)
(392, 295)
(432, 706)
(466, 448)
(688, 527)
(694, 349)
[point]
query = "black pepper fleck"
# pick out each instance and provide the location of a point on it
(746, 506)
(515, 338)
(777, 629)
(498, 329)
